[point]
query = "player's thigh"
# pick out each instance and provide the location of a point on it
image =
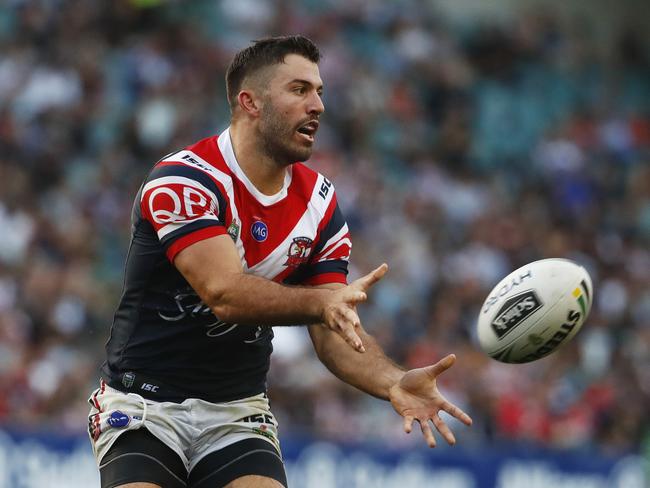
(252, 462)
(254, 481)
(137, 459)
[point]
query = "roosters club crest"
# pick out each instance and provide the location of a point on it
(299, 251)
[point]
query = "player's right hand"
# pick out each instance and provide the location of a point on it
(339, 311)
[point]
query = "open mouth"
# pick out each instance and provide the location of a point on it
(308, 130)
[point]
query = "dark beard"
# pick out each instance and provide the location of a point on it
(276, 135)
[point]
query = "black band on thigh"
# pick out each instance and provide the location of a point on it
(247, 457)
(136, 456)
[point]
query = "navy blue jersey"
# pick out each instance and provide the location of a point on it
(165, 343)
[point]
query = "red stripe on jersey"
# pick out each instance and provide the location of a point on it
(336, 250)
(95, 402)
(283, 275)
(189, 239)
(208, 149)
(169, 163)
(280, 218)
(325, 278)
(340, 251)
(98, 428)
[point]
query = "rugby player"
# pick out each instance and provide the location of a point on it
(231, 236)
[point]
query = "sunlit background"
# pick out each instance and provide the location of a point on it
(465, 139)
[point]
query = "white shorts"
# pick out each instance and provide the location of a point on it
(192, 429)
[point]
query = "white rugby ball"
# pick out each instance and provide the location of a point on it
(534, 310)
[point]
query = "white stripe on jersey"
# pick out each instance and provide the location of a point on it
(344, 230)
(195, 161)
(317, 200)
(272, 264)
(177, 225)
(339, 244)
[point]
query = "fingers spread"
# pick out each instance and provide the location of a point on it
(350, 318)
(444, 429)
(454, 411)
(427, 432)
(347, 322)
(408, 423)
(358, 297)
(441, 366)
(371, 278)
(351, 296)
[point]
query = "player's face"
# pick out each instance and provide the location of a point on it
(292, 106)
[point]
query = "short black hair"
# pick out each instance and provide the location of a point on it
(262, 53)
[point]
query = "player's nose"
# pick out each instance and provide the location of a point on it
(315, 104)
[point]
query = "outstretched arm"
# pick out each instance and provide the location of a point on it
(414, 394)
(213, 269)
(373, 372)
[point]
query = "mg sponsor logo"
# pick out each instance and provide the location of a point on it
(259, 231)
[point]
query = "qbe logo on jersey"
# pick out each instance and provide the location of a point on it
(259, 231)
(172, 199)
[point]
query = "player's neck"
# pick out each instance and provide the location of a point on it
(264, 172)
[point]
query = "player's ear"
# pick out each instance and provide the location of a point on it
(249, 103)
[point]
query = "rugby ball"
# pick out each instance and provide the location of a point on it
(534, 310)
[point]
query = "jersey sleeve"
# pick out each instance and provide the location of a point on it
(184, 206)
(329, 259)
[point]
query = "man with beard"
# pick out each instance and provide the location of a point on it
(231, 236)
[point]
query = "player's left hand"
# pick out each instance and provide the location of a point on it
(416, 397)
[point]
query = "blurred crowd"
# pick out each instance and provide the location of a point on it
(459, 153)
